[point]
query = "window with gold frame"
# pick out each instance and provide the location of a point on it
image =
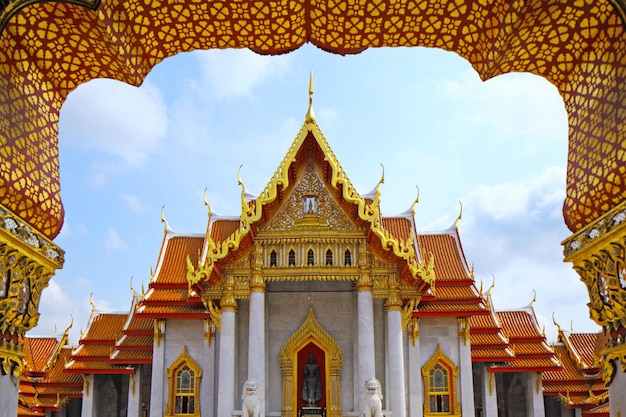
(440, 386)
(183, 380)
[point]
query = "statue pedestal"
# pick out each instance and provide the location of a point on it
(312, 412)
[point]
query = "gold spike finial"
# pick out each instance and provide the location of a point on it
(472, 274)
(458, 218)
(206, 203)
(558, 328)
(417, 200)
(243, 188)
(480, 290)
(93, 306)
(310, 116)
(166, 225)
(532, 302)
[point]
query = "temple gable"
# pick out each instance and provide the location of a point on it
(309, 206)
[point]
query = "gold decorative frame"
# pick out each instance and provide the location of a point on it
(183, 359)
(311, 331)
(440, 358)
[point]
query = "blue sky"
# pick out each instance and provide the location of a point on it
(498, 146)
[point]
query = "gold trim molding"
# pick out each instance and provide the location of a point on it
(439, 357)
(183, 359)
(311, 331)
(598, 255)
(28, 261)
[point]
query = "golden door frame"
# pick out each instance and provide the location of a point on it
(311, 331)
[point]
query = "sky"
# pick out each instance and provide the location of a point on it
(498, 148)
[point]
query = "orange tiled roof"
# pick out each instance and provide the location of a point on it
(135, 344)
(222, 228)
(532, 353)
(37, 352)
(399, 227)
(167, 294)
(454, 291)
(96, 346)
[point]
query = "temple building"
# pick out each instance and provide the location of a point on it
(311, 303)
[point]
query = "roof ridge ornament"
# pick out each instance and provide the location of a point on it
(310, 116)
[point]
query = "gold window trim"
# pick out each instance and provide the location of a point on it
(182, 360)
(453, 379)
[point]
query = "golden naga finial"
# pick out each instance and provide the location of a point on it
(472, 276)
(132, 289)
(532, 302)
(167, 226)
(206, 203)
(151, 274)
(417, 200)
(493, 283)
(143, 290)
(458, 218)
(93, 306)
(558, 328)
(243, 188)
(310, 116)
(571, 325)
(70, 326)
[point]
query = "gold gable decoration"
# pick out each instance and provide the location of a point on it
(367, 210)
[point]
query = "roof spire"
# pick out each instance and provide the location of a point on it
(310, 116)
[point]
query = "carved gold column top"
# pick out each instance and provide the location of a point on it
(394, 302)
(27, 262)
(257, 284)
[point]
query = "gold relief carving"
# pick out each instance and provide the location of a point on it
(612, 358)
(492, 377)
(27, 263)
(159, 330)
(216, 314)
(311, 331)
(464, 329)
(310, 198)
(393, 302)
(209, 329)
(413, 329)
(407, 312)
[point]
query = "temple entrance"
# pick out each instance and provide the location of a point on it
(311, 362)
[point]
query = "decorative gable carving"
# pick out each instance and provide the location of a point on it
(310, 205)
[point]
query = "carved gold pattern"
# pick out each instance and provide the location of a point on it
(311, 331)
(183, 359)
(598, 255)
(464, 329)
(328, 214)
(159, 330)
(27, 263)
(367, 210)
(413, 329)
(453, 375)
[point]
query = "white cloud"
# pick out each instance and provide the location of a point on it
(513, 231)
(511, 104)
(115, 118)
(232, 73)
(113, 241)
(133, 203)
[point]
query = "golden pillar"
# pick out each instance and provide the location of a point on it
(598, 254)
(27, 262)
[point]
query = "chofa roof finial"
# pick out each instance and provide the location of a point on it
(310, 116)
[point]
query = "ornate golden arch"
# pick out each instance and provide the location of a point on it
(183, 359)
(311, 331)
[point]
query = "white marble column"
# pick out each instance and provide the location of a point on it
(617, 389)
(89, 393)
(414, 369)
(226, 377)
(397, 391)
(466, 388)
(158, 389)
(490, 396)
(365, 320)
(256, 321)
(534, 395)
(134, 394)
(8, 394)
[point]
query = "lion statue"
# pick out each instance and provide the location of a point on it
(372, 399)
(251, 397)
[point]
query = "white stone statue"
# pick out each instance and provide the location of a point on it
(372, 399)
(251, 397)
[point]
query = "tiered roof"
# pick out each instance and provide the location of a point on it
(168, 291)
(454, 293)
(96, 346)
(43, 385)
(532, 352)
(579, 384)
